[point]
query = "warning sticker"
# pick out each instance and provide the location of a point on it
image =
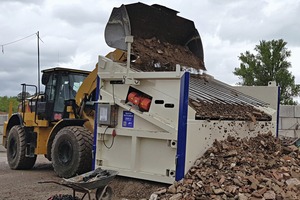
(128, 119)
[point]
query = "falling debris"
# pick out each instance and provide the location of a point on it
(154, 55)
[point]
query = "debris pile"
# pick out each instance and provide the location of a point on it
(154, 55)
(261, 167)
(221, 111)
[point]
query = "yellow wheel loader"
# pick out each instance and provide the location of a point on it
(50, 124)
(59, 122)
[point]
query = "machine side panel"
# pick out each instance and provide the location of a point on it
(201, 134)
(166, 91)
(267, 94)
(147, 147)
(138, 153)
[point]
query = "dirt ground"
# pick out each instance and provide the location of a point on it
(20, 184)
(24, 184)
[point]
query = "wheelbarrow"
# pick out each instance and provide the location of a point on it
(91, 182)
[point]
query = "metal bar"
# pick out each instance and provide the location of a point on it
(214, 92)
(96, 122)
(241, 95)
(182, 126)
(141, 75)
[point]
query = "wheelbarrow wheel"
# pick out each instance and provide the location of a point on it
(104, 193)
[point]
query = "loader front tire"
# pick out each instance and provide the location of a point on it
(16, 149)
(71, 151)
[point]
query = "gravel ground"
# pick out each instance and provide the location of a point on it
(23, 185)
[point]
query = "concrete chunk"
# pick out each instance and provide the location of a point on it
(176, 197)
(293, 181)
(270, 195)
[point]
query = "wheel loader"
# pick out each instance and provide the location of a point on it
(59, 122)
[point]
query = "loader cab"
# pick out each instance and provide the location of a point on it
(61, 84)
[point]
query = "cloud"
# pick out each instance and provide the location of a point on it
(77, 15)
(23, 1)
(73, 33)
(254, 21)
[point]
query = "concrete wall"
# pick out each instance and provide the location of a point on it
(289, 121)
(2, 119)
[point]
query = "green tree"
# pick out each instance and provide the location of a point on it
(4, 103)
(269, 64)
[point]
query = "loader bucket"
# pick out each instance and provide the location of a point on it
(143, 21)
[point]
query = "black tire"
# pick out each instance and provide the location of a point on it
(16, 149)
(71, 151)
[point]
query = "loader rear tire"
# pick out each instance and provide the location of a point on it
(71, 151)
(16, 149)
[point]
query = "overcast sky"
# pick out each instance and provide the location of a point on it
(72, 32)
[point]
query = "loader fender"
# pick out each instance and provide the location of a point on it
(15, 119)
(58, 126)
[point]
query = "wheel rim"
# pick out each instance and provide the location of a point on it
(65, 152)
(13, 148)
